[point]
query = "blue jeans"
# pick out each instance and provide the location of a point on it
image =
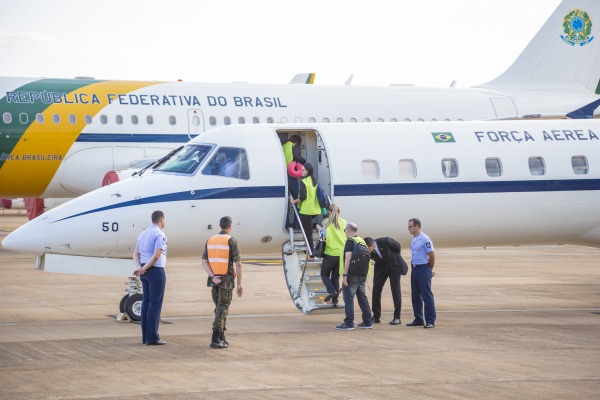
(153, 282)
(356, 286)
(422, 296)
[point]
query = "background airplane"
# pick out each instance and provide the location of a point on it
(60, 137)
(472, 183)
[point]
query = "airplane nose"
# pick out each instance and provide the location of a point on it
(27, 239)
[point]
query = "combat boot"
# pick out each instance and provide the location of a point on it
(222, 338)
(215, 342)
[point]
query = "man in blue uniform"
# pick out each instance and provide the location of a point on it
(150, 257)
(423, 260)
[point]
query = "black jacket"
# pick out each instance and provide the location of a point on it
(390, 252)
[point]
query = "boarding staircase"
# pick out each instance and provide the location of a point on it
(303, 274)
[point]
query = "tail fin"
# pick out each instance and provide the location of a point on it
(305, 79)
(563, 55)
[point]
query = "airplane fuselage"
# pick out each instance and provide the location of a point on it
(471, 183)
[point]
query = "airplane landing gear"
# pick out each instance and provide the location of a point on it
(130, 307)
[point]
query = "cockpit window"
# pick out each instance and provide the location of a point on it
(231, 162)
(187, 160)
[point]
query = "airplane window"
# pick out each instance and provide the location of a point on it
(39, 117)
(326, 120)
(72, 119)
(227, 121)
(339, 120)
(379, 119)
(241, 120)
(119, 119)
(298, 120)
(580, 165)
(23, 118)
(231, 162)
(187, 160)
(352, 119)
(134, 119)
(407, 169)
(434, 119)
(7, 117)
(172, 120)
(56, 118)
(87, 118)
(447, 119)
(270, 120)
(366, 120)
(212, 121)
(284, 120)
(450, 167)
(312, 120)
(255, 120)
(493, 167)
(406, 119)
(103, 119)
(149, 119)
(537, 167)
(420, 120)
(394, 120)
(370, 170)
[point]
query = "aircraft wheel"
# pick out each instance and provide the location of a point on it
(133, 307)
(122, 303)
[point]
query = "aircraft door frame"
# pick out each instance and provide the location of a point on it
(195, 122)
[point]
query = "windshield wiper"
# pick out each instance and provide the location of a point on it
(158, 162)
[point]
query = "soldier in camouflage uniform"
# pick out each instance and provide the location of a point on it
(220, 253)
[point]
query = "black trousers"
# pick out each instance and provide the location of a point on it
(380, 276)
(307, 225)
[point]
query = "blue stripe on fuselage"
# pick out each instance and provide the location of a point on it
(385, 189)
(132, 138)
(393, 189)
(253, 192)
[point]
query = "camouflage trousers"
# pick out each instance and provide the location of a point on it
(222, 295)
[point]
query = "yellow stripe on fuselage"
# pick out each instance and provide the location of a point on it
(43, 147)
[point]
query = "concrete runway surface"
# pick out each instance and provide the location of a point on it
(513, 323)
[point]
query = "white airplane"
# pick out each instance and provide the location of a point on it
(478, 183)
(60, 137)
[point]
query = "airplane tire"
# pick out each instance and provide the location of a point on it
(133, 307)
(122, 303)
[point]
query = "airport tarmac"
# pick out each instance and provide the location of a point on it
(517, 323)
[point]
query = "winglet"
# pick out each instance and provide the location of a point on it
(304, 78)
(585, 112)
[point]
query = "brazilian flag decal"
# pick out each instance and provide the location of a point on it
(443, 137)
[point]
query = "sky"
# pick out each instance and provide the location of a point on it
(421, 42)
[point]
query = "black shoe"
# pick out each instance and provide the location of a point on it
(376, 321)
(415, 323)
(330, 296)
(429, 326)
(218, 345)
(159, 342)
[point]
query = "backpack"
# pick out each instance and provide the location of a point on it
(322, 197)
(360, 261)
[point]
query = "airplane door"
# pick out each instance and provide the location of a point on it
(504, 107)
(195, 123)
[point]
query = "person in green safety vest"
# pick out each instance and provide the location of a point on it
(291, 152)
(309, 204)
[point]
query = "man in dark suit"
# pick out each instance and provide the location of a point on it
(386, 253)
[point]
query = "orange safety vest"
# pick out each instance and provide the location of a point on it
(217, 248)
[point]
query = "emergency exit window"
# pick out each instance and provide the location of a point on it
(580, 165)
(370, 170)
(450, 167)
(407, 169)
(493, 167)
(537, 167)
